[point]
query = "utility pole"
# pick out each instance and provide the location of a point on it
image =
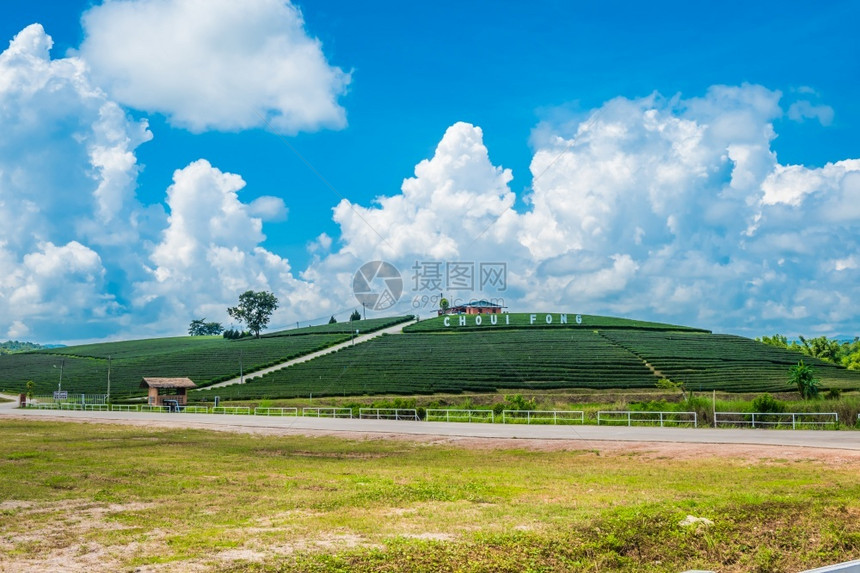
(108, 388)
(60, 385)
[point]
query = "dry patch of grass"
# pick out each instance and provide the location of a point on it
(89, 497)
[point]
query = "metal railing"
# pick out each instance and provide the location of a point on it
(151, 408)
(124, 408)
(327, 412)
(453, 415)
(276, 411)
(630, 417)
(765, 419)
(543, 416)
(388, 414)
(235, 410)
(97, 407)
(193, 410)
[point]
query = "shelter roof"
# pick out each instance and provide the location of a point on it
(167, 383)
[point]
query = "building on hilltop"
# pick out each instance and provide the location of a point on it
(475, 307)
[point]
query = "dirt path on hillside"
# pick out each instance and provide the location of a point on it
(396, 329)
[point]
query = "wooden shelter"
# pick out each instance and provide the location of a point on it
(161, 389)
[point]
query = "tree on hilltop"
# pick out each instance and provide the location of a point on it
(254, 309)
(199, 327)
(355, 316)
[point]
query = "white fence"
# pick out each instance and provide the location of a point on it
(70, 399)
(441, 415)
(630, 417)
(276, 411)
(617, 417)
(327, 412)
(388, 414)
(194, 409)
(543, 417)
(150, 408)
(235, 410)
(124, 408)
(765, 419)
(97, 407)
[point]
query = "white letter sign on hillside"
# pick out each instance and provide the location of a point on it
(478, 320)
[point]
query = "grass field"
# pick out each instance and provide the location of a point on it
(85, 497)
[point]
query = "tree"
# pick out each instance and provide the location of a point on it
(200, 327)
(803, 378)
(254, 309)
(332, 320)
(444, 304)
(355, 316)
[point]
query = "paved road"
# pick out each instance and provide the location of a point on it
(847, 440)
(396, 329)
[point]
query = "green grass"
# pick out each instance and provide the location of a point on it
(207, 500)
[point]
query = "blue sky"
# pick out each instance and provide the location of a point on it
(688, 163)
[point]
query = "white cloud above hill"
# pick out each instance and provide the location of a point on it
(81, 257)
(671, 209)
(209, 252)
(215, 64)
(67, 178)
(668, 209)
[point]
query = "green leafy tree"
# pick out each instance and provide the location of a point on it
(200, 327)
(355, 316)
(444, 304)
(332, 320)
(777, 340)
(254, 309)
(802, 377)
(821, 347)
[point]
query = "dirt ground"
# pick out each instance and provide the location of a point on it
(92, 557)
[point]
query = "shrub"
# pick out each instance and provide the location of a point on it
(517, 402)
(834, 394)
(767, 403)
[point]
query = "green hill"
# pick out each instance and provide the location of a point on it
(541, 351)
(530, 351)
(204, 359)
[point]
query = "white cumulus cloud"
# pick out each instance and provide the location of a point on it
(67, 179)
(667, 209)
(210, 252)
(215, 64)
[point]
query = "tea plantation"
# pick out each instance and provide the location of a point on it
(529, 352)
(512, 352)
(204, 359)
